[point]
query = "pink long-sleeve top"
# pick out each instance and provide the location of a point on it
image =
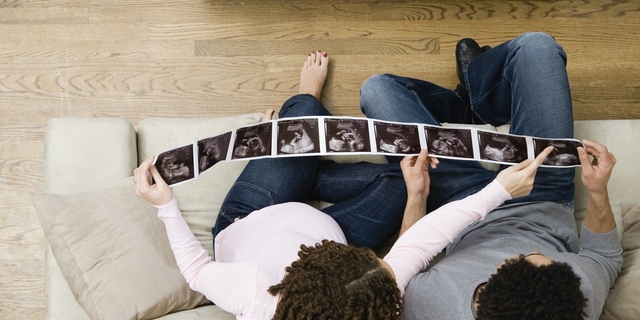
(252, 254)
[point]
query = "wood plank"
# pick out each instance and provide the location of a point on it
(9, 3)
(77, 32)
(237, 30)
(342, 46)
(513, 10)
(226, 12)
(20, 15)
(95, 49)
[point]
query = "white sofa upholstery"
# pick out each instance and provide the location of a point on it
(89, 154)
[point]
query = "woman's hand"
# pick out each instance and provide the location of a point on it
(157, 194)
(518, 179)
(416, 174)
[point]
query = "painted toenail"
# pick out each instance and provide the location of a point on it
(324, 54)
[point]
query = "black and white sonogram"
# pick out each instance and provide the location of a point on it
(254, 141)
(298, 136)
(502, 148)
(396, 138)
(565, 152)
(449, 142)
(176, 165)
(212, 150)
(347, 135)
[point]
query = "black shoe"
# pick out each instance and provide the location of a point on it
(467, 49)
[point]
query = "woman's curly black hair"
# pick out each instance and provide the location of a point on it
(337, 281)
(522, 290)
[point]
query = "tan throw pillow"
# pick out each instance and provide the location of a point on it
(114, 253)
(622, 302)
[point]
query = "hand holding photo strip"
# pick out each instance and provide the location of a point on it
(322, 135)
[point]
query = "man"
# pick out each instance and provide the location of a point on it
(525, 260)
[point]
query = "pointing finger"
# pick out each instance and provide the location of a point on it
(543, 155)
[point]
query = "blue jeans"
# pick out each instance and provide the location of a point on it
(368, 198)
(523, 81)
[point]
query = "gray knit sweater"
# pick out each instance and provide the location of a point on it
(445, 290)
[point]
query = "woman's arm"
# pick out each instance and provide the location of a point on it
(420, 242)
(231, 286)
(417, 246)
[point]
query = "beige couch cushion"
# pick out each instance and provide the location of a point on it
(74, 149)
(114, 253)
(86, 154)
(103, 153)
(622, 300)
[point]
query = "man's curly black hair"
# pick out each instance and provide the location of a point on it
(522, 290)
(337, 281)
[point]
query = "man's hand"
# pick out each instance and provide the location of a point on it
(157, 194)
(595, 176)
(416, 174)
(416, 177)
(518, 179)
(596, 173)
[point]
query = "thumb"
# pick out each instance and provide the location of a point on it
(156, 174)
(422, 158)
(584, 159)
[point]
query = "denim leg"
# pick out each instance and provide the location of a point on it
(395, 98)
(270, 181)
(369, 199)
(525, 81)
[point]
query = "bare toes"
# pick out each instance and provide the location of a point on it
(318, 54)
(268, 115)
(324, 59)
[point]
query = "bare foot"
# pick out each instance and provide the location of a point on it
(268, 115)
(313, 74)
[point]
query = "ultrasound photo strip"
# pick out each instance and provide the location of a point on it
(324, 135)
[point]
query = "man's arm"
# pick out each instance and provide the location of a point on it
(595, 176)
(599, 237)
(415, 209)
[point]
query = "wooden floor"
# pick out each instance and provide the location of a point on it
(201, 58)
